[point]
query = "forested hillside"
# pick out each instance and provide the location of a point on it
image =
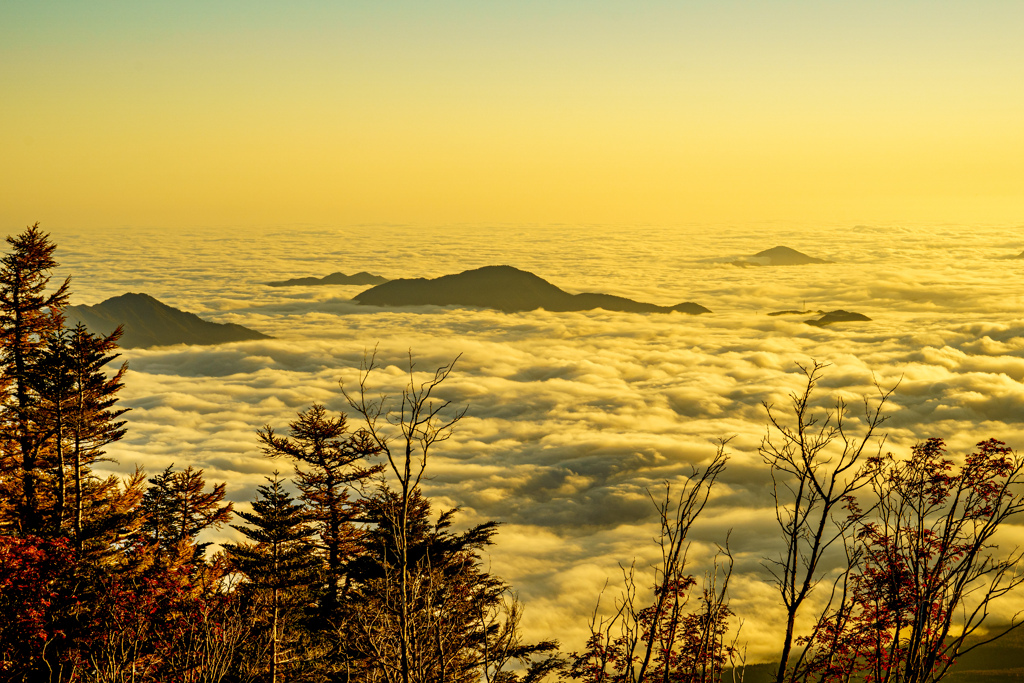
(887, 566)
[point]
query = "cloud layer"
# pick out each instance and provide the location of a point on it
(573, 417)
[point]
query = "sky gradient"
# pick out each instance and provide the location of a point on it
(195, 114)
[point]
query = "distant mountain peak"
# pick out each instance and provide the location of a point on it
(778, 256)
(135, 299)
(150, 322)
(504, 288)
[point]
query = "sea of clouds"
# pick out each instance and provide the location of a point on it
(573, 417)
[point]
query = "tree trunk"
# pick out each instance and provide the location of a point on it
(78, 491)
(62, 485)
(274, 641)
(403, 542)
(787, 646)
(29, 503)
(333, 549)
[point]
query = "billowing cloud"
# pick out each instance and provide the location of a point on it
(574, 417)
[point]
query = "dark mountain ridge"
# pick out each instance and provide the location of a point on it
(149, 322)
(793, 311)
(506, 289)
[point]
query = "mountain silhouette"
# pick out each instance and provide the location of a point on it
(837, 317)
(506, 289)
(148, 322)
(793, 311)
(778, 256)
(360, 278)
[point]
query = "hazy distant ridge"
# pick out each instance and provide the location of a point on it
(506, 289)
(149, 322)
(339, 278)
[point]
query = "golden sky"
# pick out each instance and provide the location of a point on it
(198, 114)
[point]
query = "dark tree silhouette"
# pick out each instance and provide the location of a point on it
(279, 558)
(51, 383)
(674, 637)
(76, 402)
(463, 620)
(28, 314)
(94, 421)
(176, 508)
(329, 460)
(816, 466)
(405, 437)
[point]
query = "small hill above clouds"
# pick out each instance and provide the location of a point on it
(360, 278)
(148, 322)
(838, 317)
(778, 256)
(503, 288)
(794, 311)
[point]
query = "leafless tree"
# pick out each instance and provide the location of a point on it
(405, 436)
(504, 645)
(816, 464)
(206, 651)
(668, 639)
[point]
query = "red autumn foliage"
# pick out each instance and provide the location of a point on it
(39, 607)
(925, 568)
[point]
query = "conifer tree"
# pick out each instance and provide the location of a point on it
(280, 557)
(51, 384)
(176, 509)
(112, 515)
(328, 459)
(465, 620)
(76, 412)
(94, 420)
(28, 314)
